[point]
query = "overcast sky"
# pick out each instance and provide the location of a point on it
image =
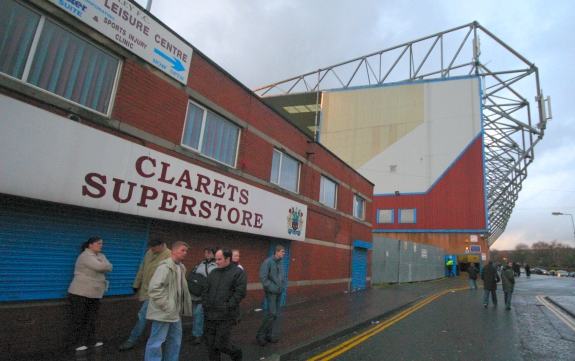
(263, 42)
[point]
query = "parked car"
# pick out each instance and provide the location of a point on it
(572, 274)
(562, 273)
(541, 271)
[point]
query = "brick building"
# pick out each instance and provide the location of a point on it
(114, 126)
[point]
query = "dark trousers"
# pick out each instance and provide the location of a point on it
(218, 336)
(83, 317)
(266, 329)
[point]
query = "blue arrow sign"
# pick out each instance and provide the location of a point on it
(177, 65)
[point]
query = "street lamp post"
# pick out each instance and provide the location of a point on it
(566, 214)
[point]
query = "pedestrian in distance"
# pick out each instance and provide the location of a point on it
(527, 270)
(169, 299)
(236, 258)
(490, 279)
(449, 265)
(225, 289)
(272, 277)
(157, 252)
(85, 292)
(508, 283)
(197, 280)
(473, 272)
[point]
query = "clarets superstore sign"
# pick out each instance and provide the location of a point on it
(62, 161)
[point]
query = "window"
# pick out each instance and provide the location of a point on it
(39, 52)
(358, 207)
(385, 216)
(407, 216)
(285, 171)
(211, 135)
(327, 192)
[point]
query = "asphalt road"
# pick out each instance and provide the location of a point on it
(456, 326)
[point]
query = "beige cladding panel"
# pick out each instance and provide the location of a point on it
(359, 124)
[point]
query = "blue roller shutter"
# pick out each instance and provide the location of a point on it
(40, 241)
(359, 265)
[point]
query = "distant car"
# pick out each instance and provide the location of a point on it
(541, 271)
(562, 273)
(572, 274)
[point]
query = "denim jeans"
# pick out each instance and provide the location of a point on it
(141, 324)
(472, 283)
(486, 297)
(169, 332)
(508, 296)
(198, 327)
(267, 326)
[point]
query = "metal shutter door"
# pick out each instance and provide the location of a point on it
(40, 242)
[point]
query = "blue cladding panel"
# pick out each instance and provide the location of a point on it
(40, 242)
(359, 269)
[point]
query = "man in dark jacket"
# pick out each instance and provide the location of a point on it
(508, 283)
(490, 279)
(272, 277)
(221, 299)
(473, 272)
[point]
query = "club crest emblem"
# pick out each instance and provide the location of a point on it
(295, 221)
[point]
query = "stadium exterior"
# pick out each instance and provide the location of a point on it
(445, 138)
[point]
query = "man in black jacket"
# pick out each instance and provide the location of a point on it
(225, 290)
(490, 279)
(273, 280)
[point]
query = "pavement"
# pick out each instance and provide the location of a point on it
(302, 326)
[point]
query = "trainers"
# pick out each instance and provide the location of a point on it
(81, 348)
(485, 305)
(97, 344)
(127, 345)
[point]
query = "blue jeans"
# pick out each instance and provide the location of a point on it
(139, 328)
(508, 296)
(472, 283)
(171, 333)
(267, 326)
(198, 327)
(486, 297)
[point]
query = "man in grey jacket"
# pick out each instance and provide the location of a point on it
(272, 277)
(169, 299)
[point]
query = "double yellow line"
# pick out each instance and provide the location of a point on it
(356, 340)
(562, 316)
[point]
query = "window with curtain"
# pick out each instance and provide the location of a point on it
(285, 171)
(39, 52)
(210, 135)
(327, 192)
(358, 207)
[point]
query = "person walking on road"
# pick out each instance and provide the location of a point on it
(203, 268)
(225, 289)
(449, 265)
(508, 283)
(473, 272)
(169, 299)
(527, 270)
(490, 279)
(272, 277)
(157, 252)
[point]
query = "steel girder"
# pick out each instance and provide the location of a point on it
(509, 133)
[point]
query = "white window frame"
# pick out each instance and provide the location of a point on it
(357, 200)
(322, 191)
(283, 155)
(202, 130)
(34, 47)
